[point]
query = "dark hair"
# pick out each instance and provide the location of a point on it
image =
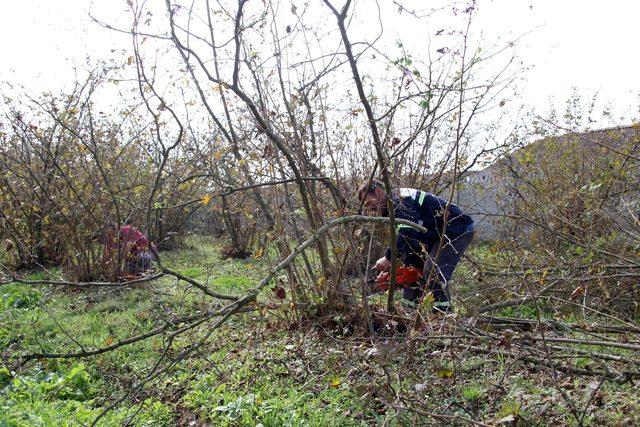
(369, 187)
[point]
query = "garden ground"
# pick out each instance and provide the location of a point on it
(274, 366)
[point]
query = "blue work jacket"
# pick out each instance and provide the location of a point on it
(427, 210)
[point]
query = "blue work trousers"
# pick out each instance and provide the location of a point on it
(139, 263)
(440, 271)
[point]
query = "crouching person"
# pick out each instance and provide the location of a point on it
(427, 210)
(134, 250)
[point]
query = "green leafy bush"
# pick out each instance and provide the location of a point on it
(18, 297)
(73, 383)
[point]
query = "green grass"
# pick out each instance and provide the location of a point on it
(267, 367)
(473, 394)
(42, 319)
(274, 401)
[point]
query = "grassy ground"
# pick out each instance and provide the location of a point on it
(270, 367)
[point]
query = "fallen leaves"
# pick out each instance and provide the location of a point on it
(258, 253)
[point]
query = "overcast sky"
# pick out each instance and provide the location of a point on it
(590, 45)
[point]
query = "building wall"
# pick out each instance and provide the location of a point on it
(478, 196)
(487, 194)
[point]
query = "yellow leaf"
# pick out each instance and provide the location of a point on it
(444, 373)
(108, 341)
(258, 253)
(130, 60)
(206, 199)
(335, 382)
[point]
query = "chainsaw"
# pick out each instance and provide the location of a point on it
(405, 277)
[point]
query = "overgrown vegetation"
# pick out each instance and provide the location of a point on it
(242, 134)
(273, 366)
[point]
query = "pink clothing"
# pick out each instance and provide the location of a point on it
(132, 236)
(132, 241)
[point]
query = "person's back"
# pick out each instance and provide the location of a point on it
(134, 239)
(133, 247)
(428, 210)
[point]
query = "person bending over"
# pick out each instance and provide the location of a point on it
(417, 249)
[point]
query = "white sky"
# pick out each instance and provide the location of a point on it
(587, 44)
(590, 45)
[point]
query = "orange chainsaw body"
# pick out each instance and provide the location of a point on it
(405, 276)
